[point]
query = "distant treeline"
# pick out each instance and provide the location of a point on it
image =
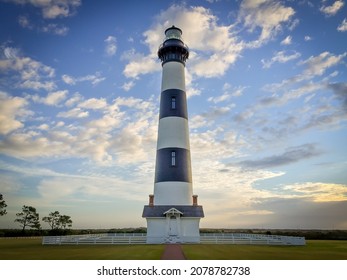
(32, 232)
(29, 232)
(314, 234)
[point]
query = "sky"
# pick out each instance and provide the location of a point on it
(267, 102)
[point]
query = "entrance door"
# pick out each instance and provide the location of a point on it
(173, 223)
(173, 226)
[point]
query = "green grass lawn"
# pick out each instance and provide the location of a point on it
(31, 249)
(314, 250)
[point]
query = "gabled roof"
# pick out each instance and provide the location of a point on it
(159, 211)
(173, 211)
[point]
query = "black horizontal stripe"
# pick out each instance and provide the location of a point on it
(166, 109)
(165, 172)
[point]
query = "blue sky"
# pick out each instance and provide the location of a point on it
(267, 101)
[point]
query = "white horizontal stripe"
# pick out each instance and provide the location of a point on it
(173, 76)
(173, 132)
(173, 193)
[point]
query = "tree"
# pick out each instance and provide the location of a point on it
(3, 205)
(52, 220)
(57, 221)
(65, 221)
(28, 218)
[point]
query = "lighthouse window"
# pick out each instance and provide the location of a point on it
(173, 103)
(173, 158)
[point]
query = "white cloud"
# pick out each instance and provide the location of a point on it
(59, 187)
(43, 126)
(234, 184)
(129, 85)
(199, 121)
(320, 109)
(305, 75)
(104, 124)
(25, 22)
(191, 87)
(56, 188)
(280, 57)
(307, 38)
(29, 68)
(213, 47)
(244, 115)
(55, 29)
(135, 143)
(228, 93)
(287, 40)
(111, 46)
(343, 26)
(31, 144)
(294, 24)
(317, 65)
(52, 28)
(60, 124)
(121, 135)
(74, 100)
(93, 103)
(55, 11)
(268, 15)
(217, 99)
(333, 9)
(32, 74)
(37, 85)
(139, 64)
(213, 145)
(52, 98)
(94, 79)
(12, 110)
(318, 192)
(289, 95)
(215, 65)
(52, 8)
(238, 91)
(68, 79)
(73, 113)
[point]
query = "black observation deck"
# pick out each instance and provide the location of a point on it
(173, 48)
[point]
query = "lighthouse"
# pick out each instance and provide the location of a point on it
(173, 214)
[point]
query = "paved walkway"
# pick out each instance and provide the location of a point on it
(173, 252)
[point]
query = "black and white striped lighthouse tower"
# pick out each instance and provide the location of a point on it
(173, 214)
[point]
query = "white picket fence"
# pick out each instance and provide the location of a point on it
(126, 238)
(139, 238)
(251, 239)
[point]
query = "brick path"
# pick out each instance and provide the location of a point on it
(173, 252)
